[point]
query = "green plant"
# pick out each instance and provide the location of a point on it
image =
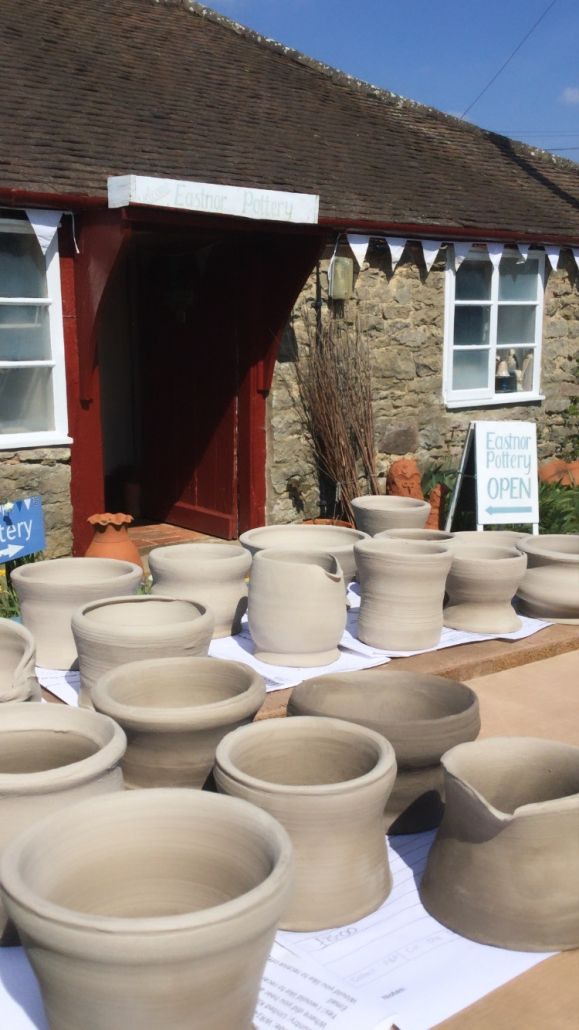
(558, 508)
(9, 607)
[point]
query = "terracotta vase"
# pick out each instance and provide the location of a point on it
(481, 585)
(50, 757)
(376, 513)
(402, 586)
(421, 715)
(174, 712)
(503, 867)
(297, 607)
(327, 782)
(111, 538)
(336, 540)
(117, 630)
(488, 538)
(433, 536)
(50, 591)
(212, 574)
(148, 909)
(550, 587)
(17, 663)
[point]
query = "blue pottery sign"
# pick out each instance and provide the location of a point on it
(21, 528)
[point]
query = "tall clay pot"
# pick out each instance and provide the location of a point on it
(503, 867)
(153, 908)
(17, 663)
(402, 586)
(212, 574)
(481, 585)
(327, 782)
(336, 540)
(297, 607)
(376, 513)
(111, 538)
(550, 587)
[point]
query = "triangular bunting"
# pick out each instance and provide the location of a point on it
(430, 250)
(396, 247)
(358, 246)
(495, 252)
(45, 224)
(523, 249)
(553, 253)
(575, 251)
(460, 252)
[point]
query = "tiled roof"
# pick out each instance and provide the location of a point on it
(92, 88)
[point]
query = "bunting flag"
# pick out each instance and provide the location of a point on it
(460, 252)
(575, 252)
(358, 246)
(495, 252)
(396, 247)
(430, 250)
(523, 249)
(45, 224)
(553, 253)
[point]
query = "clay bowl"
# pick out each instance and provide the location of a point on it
(481, 585)
(150, 908)
(17, 662)
(336, 540)
(327, 782)
(174, 712)
(375, 513)
(212, 574)
(503, 867)
(488, 538)
(421, 715)
(550, 586)
(435, 536)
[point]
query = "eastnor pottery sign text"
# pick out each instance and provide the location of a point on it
(506, 473)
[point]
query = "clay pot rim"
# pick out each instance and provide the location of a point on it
(107, 518)
(392, 549)
(62, 719)
(81, 614)
(208, 553)
(384, 763)
(33, 572)
(415, 534)
(8, 628)
(539, 545)
(187, 801)
(186, 717)
(345, 537)
(485, 537)
(308, 558)
(389, 502)
(477, 559)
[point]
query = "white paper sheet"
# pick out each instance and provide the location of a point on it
(60, 682)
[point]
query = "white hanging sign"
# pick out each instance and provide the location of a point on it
(495, 252)
(396, 247)
(554, 254)
(358, 246)
(460, 252)
(506, 473)
(430, 250)
(45, 223)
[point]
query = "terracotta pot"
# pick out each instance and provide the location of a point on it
(17, 663)
(212, 574)
(297, 607)
(50, 591)
(150, 908)
(327, 782)
(117, 630)
(336, 540)
(489, 538)
(376, 513)
(421, 715)
(174, 712)
(111, 538)
(550, 587)
(328, 522)
(503, 868)
(402, 587)
(481, 585)
(51, 756)
(434, 536)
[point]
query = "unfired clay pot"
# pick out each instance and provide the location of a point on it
(481, 585)
(297, 607)
(327, 782)
(489, 538)
(174, 712)
(336, 540)
(503, 867)
(212, 574)
(51, 756)
(17, 662)
(376, 513)
(550, 586)
(149, 909)
(50, 591)
(432, 536)
(118, 630)
(402, 588)
(421, 715)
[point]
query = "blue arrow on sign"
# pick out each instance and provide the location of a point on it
(507, 511)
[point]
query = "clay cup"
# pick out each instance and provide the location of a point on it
(377, 512)
(481, 585)
(550, 587)
(212, 574)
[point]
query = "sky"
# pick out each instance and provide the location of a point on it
(443, 53)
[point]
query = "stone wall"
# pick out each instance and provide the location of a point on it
(401, 315)
(45, 472)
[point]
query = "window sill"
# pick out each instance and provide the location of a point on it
(24, 441)
(496, 402)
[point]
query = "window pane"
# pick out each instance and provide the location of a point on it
(26, 404)
(518, 282)
(516, 325)
(22, 268)
(473, 280)
(471, 325)
(470, 370)
(24, 333)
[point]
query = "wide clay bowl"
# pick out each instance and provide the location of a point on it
(435, 536)
(481, 585)
(550, 587)
(17, 662)
(327, 782)
(489, 538)
(150, 908)
(421, 715)
(212, 574)
(336, 540)
(503, 867)
(174, 712)
(376, 512)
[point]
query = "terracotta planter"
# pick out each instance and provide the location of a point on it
(174, 712)
(111, 538)
(336, 540)
(297, 607)
(212, 574)
(433, 536)
(421, 715)
(327, 782)
(17, 663)
(481, 585)
(550, 587)
(402, 585)
(51, 756)
(503, 867)
(118, 630)
(154, 908)
(376, 513)
(50, 591)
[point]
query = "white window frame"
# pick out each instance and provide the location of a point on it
(53, 302)
(487, 396)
